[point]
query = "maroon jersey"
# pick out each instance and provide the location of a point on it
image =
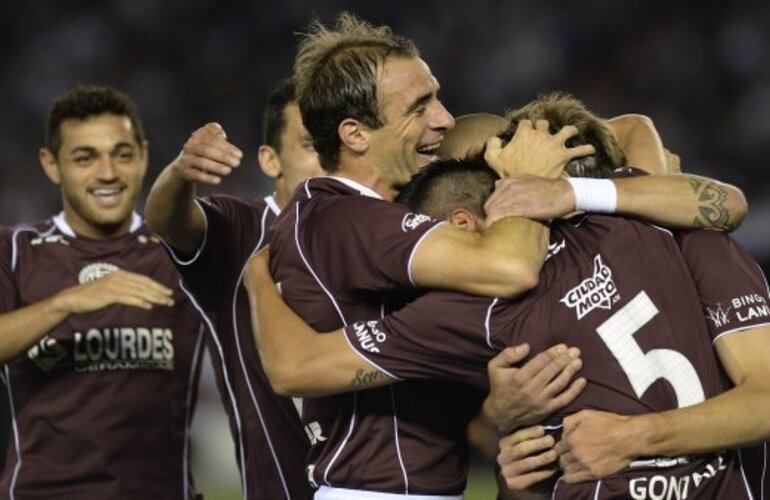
(102, 404)
(271, 446)
(335, 251)
(623, 293)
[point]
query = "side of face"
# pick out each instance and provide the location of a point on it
(297, 160)
(414, 120)
(99, 169)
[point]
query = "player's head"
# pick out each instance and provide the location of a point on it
(366, 96)
(286, 153)
(95, 151)
(561, 109)
(452, 189)
(470, 134)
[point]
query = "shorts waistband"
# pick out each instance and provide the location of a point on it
(329, 493)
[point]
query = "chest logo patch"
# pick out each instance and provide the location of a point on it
(46, 353)
(95, 271)
(597, 292)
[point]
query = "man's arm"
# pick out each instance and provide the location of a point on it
(171, 210)
(597, 444)
(505, 259)
(640, 142)
(23, 327)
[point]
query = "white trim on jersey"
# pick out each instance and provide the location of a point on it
(739, 329)
(398, 440)
(15, 244)
(188, 416)
(60, 221)
(175, 257)
(374, 365)
(16, 438)
(363, 190)
(330, 493)
(272, 205)
(743, 476)
(414, 250)
(486, 323)
(228, 387)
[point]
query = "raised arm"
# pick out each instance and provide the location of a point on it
(640, 142)
(171, 209)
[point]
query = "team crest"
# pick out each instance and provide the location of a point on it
(597, 292)
(95, 271)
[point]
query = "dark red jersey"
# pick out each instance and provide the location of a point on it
(102, 404)
(623, 292)
(336, 251)
(271, 446)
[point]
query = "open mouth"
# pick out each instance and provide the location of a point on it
(108, 197)
(429, 150)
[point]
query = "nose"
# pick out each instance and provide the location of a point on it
(107, 170)
(442, 119)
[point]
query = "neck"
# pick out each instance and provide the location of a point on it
(103, 232)
(281, 197)
(368, 176)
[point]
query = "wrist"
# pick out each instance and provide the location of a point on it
(594, 195)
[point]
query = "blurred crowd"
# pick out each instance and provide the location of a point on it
(700, 70)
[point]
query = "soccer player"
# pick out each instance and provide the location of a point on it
(100, 359)
(210, 240)
(371, 105)
(461, 340)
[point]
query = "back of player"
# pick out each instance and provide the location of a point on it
(621, 291)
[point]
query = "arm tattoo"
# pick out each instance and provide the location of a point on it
(363, 379)
(711, 205)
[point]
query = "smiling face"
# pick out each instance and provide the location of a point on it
(414, 120)
(99, 168)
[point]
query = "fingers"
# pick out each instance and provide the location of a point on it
(558, 355)
(207, 155)
(509, 357)
(568, 396)
(523, 456)
(559, 372)
(135, 289)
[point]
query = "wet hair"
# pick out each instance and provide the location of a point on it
(273, 117)
(562, 109)
(86, 101)
(445, 185)
(337, 71)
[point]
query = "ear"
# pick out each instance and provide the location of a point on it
(268, 160)
(354, 135)
(464, 219)
(50, 166)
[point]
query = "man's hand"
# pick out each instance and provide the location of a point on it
(526, 458)
(534, 151)
(594, 444)
(531, 197)
(120, 287)
(525, 396)
(207, 156)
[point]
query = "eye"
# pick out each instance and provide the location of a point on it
(83, 159)
(124, 156)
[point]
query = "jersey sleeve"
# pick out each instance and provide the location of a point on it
(731, 285)
(439, 336)
(234, 228)
(7, 288)
(373, 242)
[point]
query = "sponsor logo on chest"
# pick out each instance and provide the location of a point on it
(597, 292)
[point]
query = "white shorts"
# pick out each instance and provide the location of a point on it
(329, 493)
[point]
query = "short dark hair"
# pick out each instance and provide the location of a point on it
(337, 74)
(273, 117)
(445, 185)
(561, 109)
(86, 101)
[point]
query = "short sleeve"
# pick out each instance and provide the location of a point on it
(439, 336)
(369, 243)
(731, 285)
(234, 229)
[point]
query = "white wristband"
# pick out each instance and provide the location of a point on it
(598, 196)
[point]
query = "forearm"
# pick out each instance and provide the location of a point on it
(483, 435)
(733, 419)
(640, 142)
(681, 201)
(23, 327)
(171, 211)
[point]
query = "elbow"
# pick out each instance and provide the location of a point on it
(737, 206)
(516, 280)
(285, 381)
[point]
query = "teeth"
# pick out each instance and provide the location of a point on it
(429, 148)
(106, 191)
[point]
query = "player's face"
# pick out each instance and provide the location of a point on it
(99, 169)
(415, 120)
(297, 158)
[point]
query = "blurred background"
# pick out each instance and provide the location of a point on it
(700, 70)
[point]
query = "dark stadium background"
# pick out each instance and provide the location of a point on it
(701, 70)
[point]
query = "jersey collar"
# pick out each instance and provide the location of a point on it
(62, 225)
(363, 190)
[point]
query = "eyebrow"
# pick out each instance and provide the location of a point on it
(92, 150)
(420, 101)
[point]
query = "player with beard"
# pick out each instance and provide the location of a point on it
(210, 239)
(441, 335)
(100, 360)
